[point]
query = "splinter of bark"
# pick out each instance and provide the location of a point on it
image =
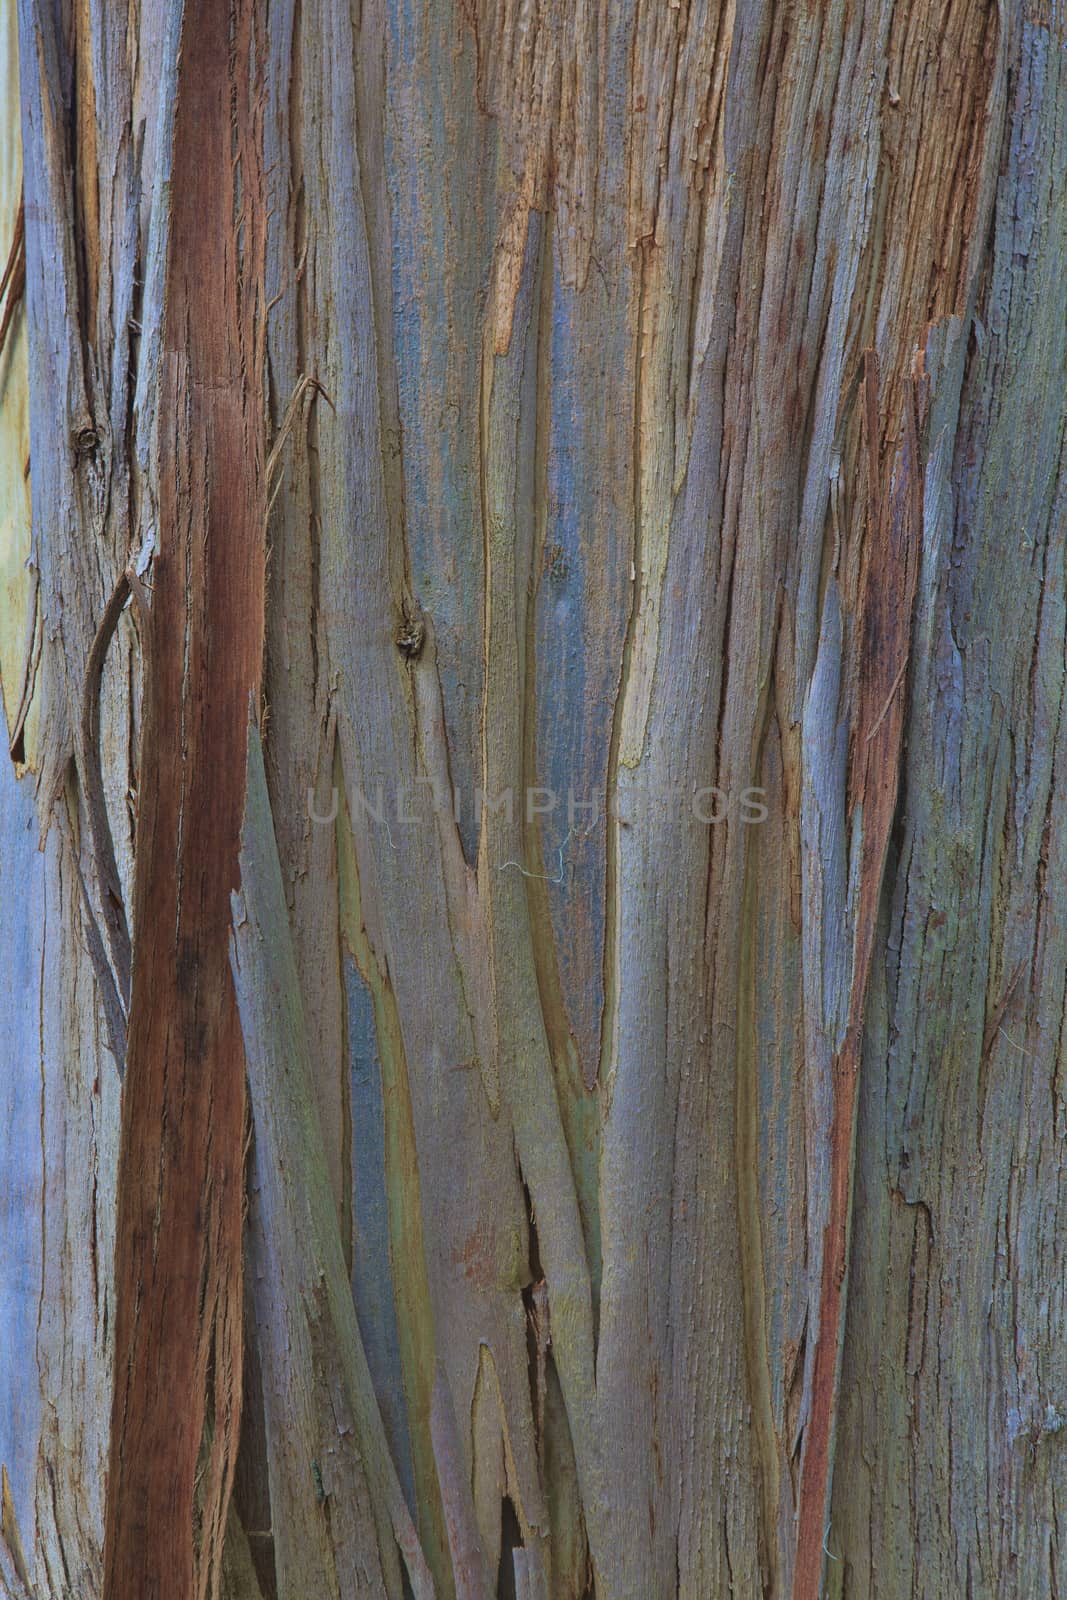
(114, 975)
(109, 887)
(296, 400)
(34, 643)
(13, 283)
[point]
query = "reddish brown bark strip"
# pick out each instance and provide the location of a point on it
(178, 1248)
(881, 642)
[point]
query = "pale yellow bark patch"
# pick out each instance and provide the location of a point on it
(17, 588)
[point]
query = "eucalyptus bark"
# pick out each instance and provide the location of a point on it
(533, 640)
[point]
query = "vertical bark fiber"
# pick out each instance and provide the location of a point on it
(520, 428)
(178, 1274)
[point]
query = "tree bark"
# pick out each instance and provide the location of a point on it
(532, 639)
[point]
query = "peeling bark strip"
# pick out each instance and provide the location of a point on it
(114, 978)
(881, 643)
(13, 282)
(338, 1509)
(178, 1251)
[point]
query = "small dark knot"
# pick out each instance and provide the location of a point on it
(85, 440)
(411, 634)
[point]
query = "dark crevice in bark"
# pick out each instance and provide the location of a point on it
(510, 1541)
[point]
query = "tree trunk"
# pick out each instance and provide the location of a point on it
(532, 928)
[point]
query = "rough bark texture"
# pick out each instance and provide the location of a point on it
(464, 437)
(178, 1271)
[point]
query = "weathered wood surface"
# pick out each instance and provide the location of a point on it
(339, 1511)
(179, 1326)
(654, 1206)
